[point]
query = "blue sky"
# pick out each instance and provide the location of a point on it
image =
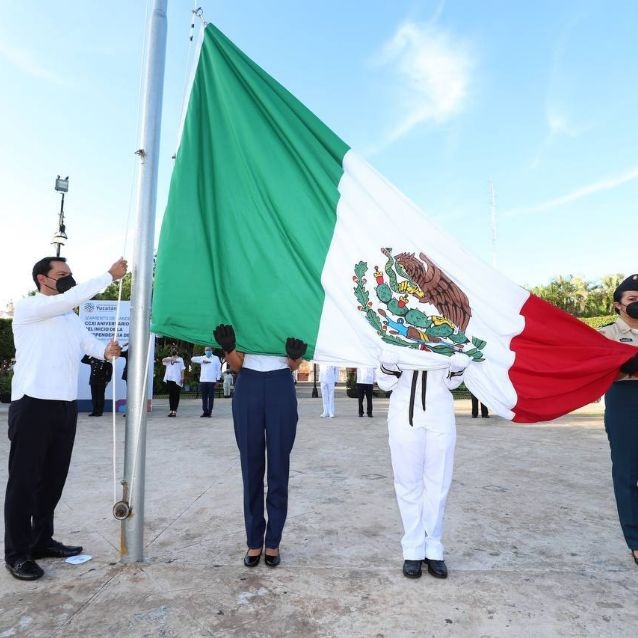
(443, 97)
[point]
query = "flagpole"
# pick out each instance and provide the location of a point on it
(132, 529)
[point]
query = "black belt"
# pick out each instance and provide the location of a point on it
(424, 380)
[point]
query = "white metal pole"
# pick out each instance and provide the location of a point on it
(132, 533)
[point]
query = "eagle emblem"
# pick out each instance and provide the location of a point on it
(405, 283)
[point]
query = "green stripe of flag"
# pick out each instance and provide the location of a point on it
(251, 209)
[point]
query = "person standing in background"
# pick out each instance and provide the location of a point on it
(228, 382)
(101, 373)
(174, 379)
(475, 408)
(327, 380)
(621, 413)
(365, 382)
(210, 372)
(124, 355)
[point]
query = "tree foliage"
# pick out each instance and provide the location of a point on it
(579, 297)
(7, 347)
(111, 292)
(7, 352)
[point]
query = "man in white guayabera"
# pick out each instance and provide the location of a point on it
(50, 341)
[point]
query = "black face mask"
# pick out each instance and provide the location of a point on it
(65, 283)
(632, 309)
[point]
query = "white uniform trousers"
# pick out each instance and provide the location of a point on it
(423, 461)
(328, 398)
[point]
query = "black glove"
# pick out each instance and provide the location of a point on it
(295, 348)
(631, 366)
(225, 337)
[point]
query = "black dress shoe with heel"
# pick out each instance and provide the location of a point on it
(436, 568)
(25, 569)
(412, 568)
(54, 549)
(251, 561)
(272, 561)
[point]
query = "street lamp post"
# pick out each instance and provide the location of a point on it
(59, 239)
(315, 393)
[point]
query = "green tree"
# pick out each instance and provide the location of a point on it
(579, 297)
(568, 293)
(112, 290)
(7, 347)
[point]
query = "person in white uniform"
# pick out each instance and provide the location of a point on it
(422, 437)
(228, 383)
(327, 381)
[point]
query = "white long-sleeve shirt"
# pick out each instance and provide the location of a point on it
(211, 368)
(365, 375)
(174, 370)
(50, 341)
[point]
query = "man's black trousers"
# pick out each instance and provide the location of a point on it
(42, 433)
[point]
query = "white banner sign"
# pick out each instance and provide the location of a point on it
(99, 318)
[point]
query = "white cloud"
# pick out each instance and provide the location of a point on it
(432, 69)
(22, 60)
(606, 184)
(559, 125)
(558, 122)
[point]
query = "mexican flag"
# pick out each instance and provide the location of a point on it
(274, 225)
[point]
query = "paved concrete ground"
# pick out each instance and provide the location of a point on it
(533, 543)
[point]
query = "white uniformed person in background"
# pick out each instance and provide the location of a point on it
(327, 380)
(228, 382)
(422, 437)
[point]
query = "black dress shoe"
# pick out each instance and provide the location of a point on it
(436, 568)
(272, 561)
(25, 570)
(412, 568)
(251, 561)
(56, 550)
